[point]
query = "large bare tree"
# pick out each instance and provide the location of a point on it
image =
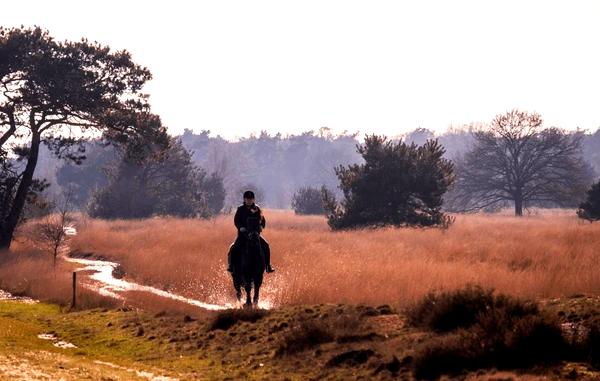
(517, 160)
(54, 93)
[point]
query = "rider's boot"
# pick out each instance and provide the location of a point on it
(267, 255)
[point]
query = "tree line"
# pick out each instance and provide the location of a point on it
(81, 104)
(294, 161)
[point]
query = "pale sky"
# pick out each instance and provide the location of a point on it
(236, 67)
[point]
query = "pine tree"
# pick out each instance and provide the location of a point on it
(398, 184)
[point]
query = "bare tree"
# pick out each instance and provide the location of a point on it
(516, 160)
(51, 232)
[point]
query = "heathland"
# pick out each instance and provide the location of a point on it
(549, 254)
(343, 305)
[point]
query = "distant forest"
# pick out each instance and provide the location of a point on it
(274, 166)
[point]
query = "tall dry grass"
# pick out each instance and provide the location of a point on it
(27, 271)
(538, 256)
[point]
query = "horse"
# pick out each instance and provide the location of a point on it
(248, 268)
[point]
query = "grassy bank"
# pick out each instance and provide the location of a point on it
(318, 342)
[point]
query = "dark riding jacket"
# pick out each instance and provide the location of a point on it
(241, 221)
(243, 213)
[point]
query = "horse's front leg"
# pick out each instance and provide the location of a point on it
(237, 287)
(248, 299)
(256, 293)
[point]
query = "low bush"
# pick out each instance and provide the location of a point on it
(310, 333)
(446, 311)
(487, 331)
(228, 318)
(305, 335)
(592, 346)
(449, 354)
(450, 310)
(534, 340)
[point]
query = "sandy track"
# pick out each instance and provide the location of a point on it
(42, 365)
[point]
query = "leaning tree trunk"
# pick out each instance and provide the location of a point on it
(12, 219)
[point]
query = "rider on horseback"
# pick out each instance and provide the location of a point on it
(244, 216)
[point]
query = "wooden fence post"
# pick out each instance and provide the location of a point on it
(73, 302)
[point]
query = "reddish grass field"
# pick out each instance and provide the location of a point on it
(551, 254)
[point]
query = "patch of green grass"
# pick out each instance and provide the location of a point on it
(90, 331)
(168, 343)
(20, 324)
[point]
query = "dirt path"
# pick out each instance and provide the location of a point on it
(42, 365)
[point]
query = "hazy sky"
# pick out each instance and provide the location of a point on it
(236, 67)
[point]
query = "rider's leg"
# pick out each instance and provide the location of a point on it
(267, 253)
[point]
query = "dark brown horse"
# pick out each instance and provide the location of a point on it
(248, 268)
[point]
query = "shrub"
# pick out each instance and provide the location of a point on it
(529, 341)
(450, 310)
(305, 335)
(590, 208)
(488, 331)
(309, 333)
(450, 354)
(461, 308)
(226, 319)
(533, 340)
(309, 200)
(592, 346)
